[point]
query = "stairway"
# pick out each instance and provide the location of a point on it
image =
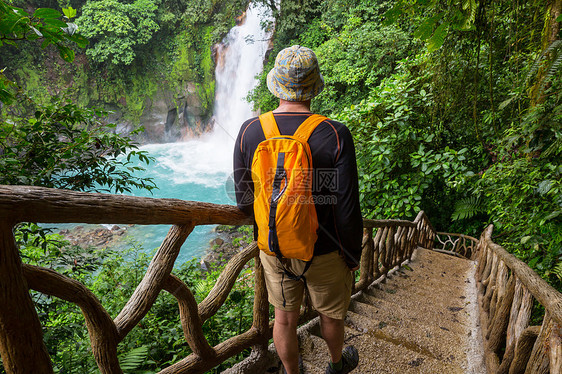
(422, 319)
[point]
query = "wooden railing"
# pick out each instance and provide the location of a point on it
(21, 344)
(393, 243)
(507, 288)
(456, 244)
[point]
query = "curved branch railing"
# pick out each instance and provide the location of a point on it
(21, 344)
(506, 289)
(456, 244)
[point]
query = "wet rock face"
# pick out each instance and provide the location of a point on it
(94, 237)
(167, 117)
(226, 244)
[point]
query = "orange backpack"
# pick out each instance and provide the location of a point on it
(283, 204)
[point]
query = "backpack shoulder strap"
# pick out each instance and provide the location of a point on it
(307, 127)
(269, 126)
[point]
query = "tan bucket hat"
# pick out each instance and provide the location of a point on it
(296, 75)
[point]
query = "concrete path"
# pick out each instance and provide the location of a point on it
(423, 319)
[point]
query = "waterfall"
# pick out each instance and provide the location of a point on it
(208, 160)
(240, 58)
(198, 169)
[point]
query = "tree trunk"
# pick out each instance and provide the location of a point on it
(551, 31)
(21, 339)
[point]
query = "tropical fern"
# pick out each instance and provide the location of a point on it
(555, 148)
(133, 359)
(553, 49)
(557, 270)
(471, 7)
(467, 207)
(555, 64)
(202, 288)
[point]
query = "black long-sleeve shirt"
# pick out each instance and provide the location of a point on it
(334, 187)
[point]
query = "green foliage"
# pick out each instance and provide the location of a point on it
(116, 28)
(356, 60)
(16, 26)
(355, 52)
(433, 29)
(157, 341)
(64, 146)
(147, 46)
(401, 166)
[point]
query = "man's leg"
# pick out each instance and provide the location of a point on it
(285, 339)
(333, 334)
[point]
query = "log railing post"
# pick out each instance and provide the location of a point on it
(539, 360)
(555, 349)
(153, 282)
(376, 253)
(261, 307)
(21, 339)
(366, 275)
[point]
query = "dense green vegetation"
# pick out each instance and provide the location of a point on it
(137, 49)
(455, 107)
(157, 341)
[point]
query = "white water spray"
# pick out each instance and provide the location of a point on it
(240, 59)
(198, 169)
(208, 160)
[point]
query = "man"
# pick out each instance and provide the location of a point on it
(296, 80)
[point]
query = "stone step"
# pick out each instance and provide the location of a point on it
(380, 353)
(448, 316)
(416, 321)
(422, 339)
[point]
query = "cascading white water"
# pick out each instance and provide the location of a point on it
(240, 59)
(199, 168)
(208, 159)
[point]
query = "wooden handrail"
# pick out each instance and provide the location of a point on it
(386, 222)
(506, 285)
(542, 291)
(506, 289)
(48, 205)
(457, 235)
(463, 246)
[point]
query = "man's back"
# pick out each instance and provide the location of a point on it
(334, 183)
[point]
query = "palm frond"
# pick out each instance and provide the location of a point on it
(438, 37)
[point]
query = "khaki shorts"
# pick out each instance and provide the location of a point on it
(328, 280)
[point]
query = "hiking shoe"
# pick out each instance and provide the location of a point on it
(350, 360)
